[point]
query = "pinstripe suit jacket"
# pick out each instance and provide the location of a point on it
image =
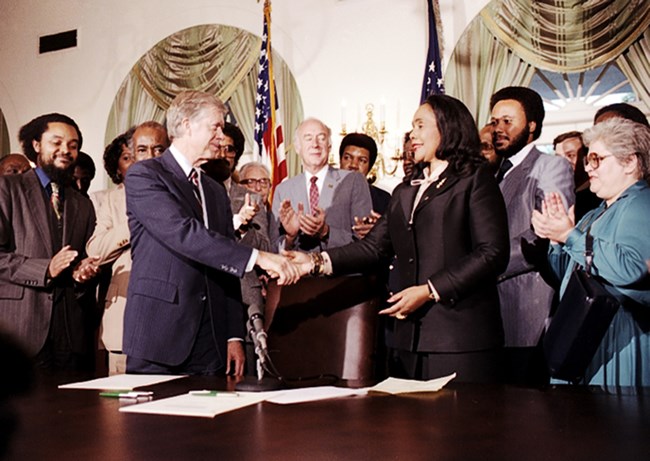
(180, 267)
(27, 244)
(525, 296)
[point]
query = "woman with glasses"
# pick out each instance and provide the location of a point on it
(618, 165)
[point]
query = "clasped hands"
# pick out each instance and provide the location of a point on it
(554, 222)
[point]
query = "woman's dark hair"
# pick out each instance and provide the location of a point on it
(460, 144)
(623, 110)
(113, 152)
(233, 132)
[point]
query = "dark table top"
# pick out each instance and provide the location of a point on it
(461, 422)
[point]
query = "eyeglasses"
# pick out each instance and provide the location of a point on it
(227, 149)
(262, 182)
(593, 159)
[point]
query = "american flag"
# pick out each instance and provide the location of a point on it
(433, 82)
(268, 129)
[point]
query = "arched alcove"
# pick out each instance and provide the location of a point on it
(219, 59)
(578, 56)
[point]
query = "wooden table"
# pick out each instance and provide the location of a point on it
(461, 422)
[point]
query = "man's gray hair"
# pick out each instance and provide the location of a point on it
(190, 105)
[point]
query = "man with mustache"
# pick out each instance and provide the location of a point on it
(525, 175)
(44, 226)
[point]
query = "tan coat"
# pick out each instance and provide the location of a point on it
(110, 242)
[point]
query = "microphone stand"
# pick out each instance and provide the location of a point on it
(263, 361)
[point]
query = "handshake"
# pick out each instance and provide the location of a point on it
(290, 266)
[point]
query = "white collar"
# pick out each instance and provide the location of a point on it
(520, 156)
(182, 161)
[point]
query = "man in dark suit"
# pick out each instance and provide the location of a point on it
(525, 175)
(315, 210)
(44, 226)
(183, 312)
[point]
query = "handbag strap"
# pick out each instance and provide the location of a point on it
(589, 240)
(589, 250)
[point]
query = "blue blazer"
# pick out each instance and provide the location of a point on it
(180, 267)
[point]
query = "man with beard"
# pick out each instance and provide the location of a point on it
(525, 176)
(44, 226)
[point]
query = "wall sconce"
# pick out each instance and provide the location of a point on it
(384, 166)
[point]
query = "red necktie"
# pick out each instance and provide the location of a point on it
(313, 195)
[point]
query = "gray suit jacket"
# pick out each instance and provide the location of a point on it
(27, 244)
(256, 235)
(525, 296)
(345, 194)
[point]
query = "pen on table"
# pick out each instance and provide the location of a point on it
(208, 393)
(126, 395)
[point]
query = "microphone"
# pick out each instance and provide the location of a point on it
(258, 335)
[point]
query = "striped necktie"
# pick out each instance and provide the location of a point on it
(313, 195)
(55, 200)
(194, 179)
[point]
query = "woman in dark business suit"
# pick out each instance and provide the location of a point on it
(448, 229)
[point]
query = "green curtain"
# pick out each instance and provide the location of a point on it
(479, 66)
(635, 64)
(218, 59)
(509, 39)
(567, 35)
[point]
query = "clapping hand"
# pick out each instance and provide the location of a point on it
(289, 218)
(86, 269)
(363, 225)
(61, 261)
(314, 224)
(554, 222)
(248, 210)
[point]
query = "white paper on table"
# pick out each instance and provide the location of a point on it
(196, 405)
(310, 394)
(121, 382)
(404, 386)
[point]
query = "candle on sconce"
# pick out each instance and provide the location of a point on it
(344, 107)
(397, 125)
(382, 111)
